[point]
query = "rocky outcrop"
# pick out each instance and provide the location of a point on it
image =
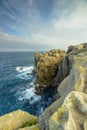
(18, 120)
(71, 76)
(72, 115)
(45, 116)
(69, 111)
(46, 66)
(68, 61)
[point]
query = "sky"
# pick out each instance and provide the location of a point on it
(41, 25)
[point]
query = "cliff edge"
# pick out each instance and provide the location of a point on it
(69, 112)
(68, 73)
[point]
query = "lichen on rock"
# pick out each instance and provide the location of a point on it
(69, 112)
(46, 66)
(17, 119)
(72, 114)
(73, 89)
(33, 127)
(67, 72)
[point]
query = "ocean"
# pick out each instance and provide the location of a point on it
(17, 90)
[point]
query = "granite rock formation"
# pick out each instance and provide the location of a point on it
(46, 66)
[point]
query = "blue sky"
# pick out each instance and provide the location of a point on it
(33, 25)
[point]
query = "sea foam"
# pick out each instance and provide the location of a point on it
(29, 94)
(25, 72)
(25, 69)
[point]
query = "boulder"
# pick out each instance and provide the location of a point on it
(17, 119)
(46, 66)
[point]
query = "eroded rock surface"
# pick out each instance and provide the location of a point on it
(33, 127)
(18, 119)
(46, 66)
(73, 53)
(71, 76)
(72, 115)
(69, 111)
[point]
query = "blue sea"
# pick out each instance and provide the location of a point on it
(17, 90)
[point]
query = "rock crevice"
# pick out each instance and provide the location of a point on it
(46, 66)
(69, 111)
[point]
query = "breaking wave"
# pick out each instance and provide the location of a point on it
(29, 94)
(25, 72)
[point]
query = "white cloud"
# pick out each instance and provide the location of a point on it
(61, 31)
(75, 20)
(10, 42)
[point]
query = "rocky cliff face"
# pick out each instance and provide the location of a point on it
(72, 115)
(69, 60)
(46, 66)
(69, 111)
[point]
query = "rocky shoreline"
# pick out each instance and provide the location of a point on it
(66, 72)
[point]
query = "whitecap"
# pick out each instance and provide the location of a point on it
(36, 98)
(25, 69)
(20, 98)
(29, 94)
(24, 76)
(25, 72)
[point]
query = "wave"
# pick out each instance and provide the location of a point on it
(25, 69)
(24, 76)
(29, 94)
(25, 72)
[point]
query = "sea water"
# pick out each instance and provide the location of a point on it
(17, 90)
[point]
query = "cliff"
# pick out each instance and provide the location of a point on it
(69, 111)
(46, 66)
(72, 115)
